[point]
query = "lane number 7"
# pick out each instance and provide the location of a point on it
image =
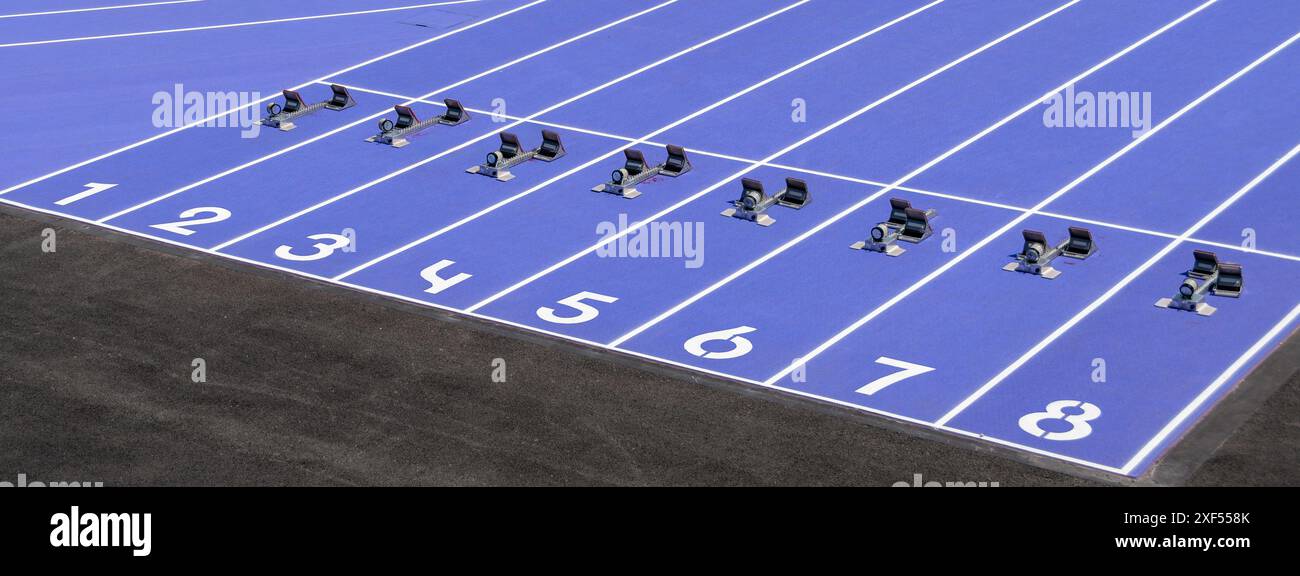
(905, 370)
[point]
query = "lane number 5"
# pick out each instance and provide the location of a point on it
(586, 312)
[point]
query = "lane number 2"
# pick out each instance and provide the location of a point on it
(190, 218)
(1079, 423)
(586, 312)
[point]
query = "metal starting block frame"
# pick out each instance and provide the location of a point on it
(753, 203)
(512, 153)
(395, 134)
(281, 116)
(905, 223)
(623, 181)
(1037, 255)
(1207, 276)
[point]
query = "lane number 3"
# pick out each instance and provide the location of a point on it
(330, 244)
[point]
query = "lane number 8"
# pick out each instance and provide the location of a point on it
(1079, 423)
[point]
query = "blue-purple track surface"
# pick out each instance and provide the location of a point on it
(1181, 134)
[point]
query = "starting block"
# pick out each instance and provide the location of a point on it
(408, 124)
(635, 171)
(512, 154)
(1036, 256)
(281, 116)
(1207, 276)
(753, 203)
(905, 223)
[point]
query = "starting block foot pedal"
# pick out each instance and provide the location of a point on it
(677, 162)
(551, 149)
(282, 116)
(1229, 284)
(455, 114)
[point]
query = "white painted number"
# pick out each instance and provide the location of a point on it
(906, 370)
(1079, 426)
(740, 345)
(332, 244)
(189, 219)
(586, 312)
(438, 284)
(92, 188)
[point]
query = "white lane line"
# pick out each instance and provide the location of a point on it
(1210, 390)
(232, 25)
(567, 337)
(203, 121)
(380, 113)
(882, 100)
(1013, 223)
(98, 9)
(1095, 304)
(853, 179)
(641, 140)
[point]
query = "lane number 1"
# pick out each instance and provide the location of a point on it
(92, 188)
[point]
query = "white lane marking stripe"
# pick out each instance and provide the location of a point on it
(98, 8)
(1211, 389)
(231, 25)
